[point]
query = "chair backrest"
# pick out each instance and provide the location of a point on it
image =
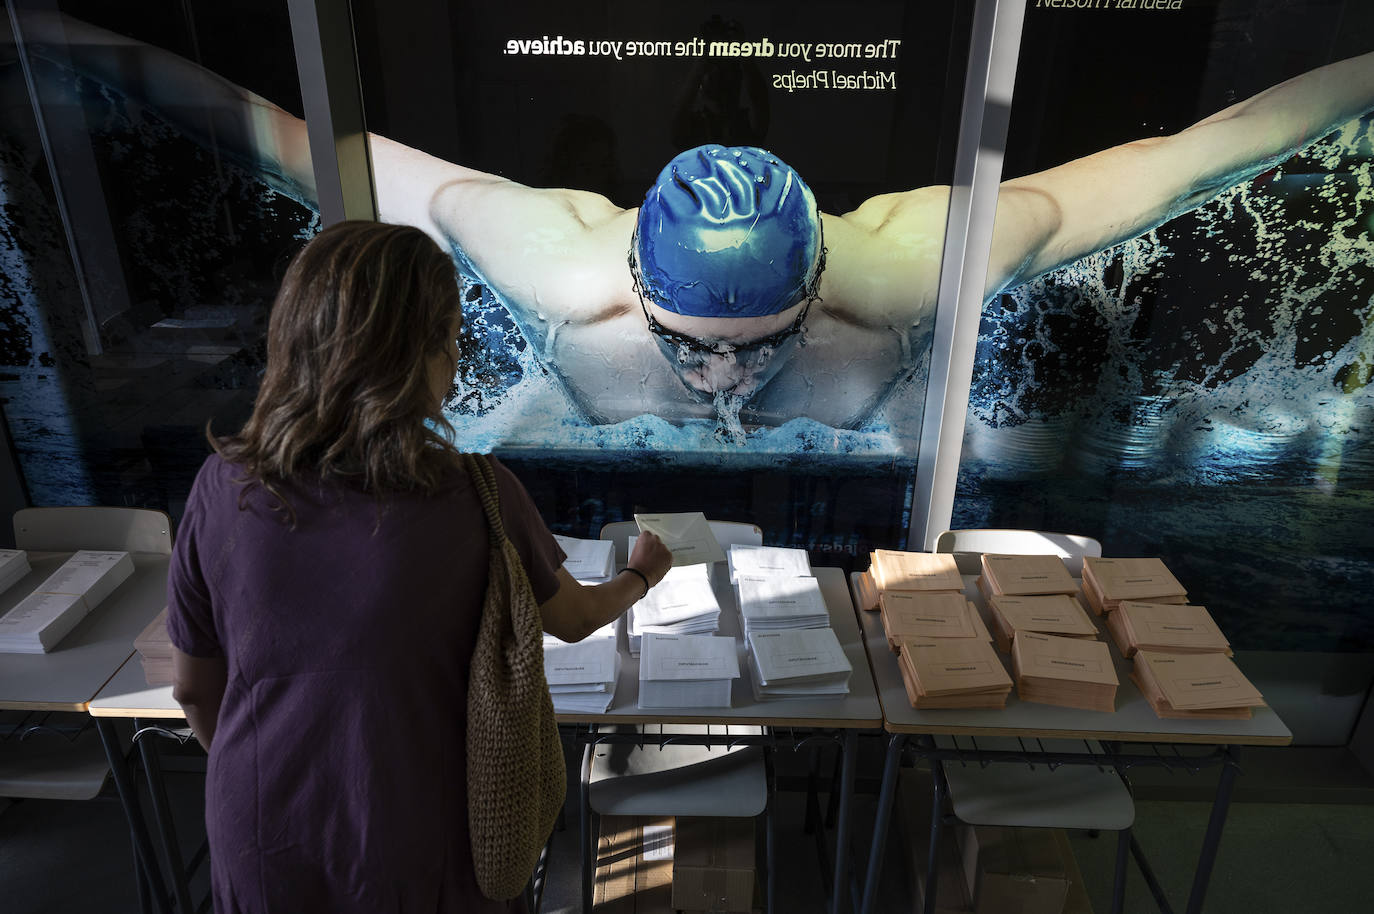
(115, 529)
(726, 532)
(1070, 547)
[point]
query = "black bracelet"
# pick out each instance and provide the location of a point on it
(642, 577)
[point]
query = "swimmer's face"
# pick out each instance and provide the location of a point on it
(726, 355)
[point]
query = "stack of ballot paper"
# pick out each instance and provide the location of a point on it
(1025, 575)
(804, 663)
(582, 675)
(683, 603)
(1071, 672)
(154, 648)
(687, 671)
(44, 617)
(780, 603)
(1201, 686)
(767, 561)
(14, 564)
(592, 561)
(1049, 614)
(953, 673)
(916, 616)
(687, 536)
(1106, 582)
(1169, 628)
(924, 571)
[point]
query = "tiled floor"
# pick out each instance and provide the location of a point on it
(66, 857)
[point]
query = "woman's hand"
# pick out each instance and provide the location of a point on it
(650, 558)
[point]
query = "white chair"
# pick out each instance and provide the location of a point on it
(69, 529)
(968, 545)
(1082, 796)
(658, 776)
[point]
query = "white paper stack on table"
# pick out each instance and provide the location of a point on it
(769, 604)
(1169, 628)
(1070, 672)
(916, 616)
(1048, 614)
(592, 561)
(1025, 575)
(914, 571)
(767, 561)
(582, 675)
(1195, 686)
(687, 671)
(43, 618)
(683, 603)
(803, 663)
(14, 564)
(688, 536)
(154, 648)
(1106, 582)
(953, 673)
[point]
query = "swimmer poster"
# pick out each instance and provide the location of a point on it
(1200, 391)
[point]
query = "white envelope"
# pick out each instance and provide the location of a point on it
(588, 560)
(687, 536)
(688, 657)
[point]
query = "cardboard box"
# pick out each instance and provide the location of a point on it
(634, 866)
(1013, 870)
(713, 864)
(912, 809)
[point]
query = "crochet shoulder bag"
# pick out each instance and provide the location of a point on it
(516, 775)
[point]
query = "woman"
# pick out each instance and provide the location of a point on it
(325, 592)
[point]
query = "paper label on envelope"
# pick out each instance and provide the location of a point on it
(768, 561)
(1132, 579)
(915, 570)
(1056, 614)
(781, 656)
(590, 661)
(955, 665)
(1073, 659)
(1198, 681)
(935, 615)
(1174, 624)
(687, 536)
(777, 598)
(1029, 574)
(687, 657)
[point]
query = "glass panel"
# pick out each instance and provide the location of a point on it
(1199, 391)
(141, 237)
(650, 342)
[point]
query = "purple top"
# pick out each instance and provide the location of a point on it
(337, 776)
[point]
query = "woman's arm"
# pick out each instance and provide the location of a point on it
(576, 609)
(198, 686)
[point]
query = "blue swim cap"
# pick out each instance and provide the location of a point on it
(728, 231)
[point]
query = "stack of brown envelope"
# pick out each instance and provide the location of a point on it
(953, 673)
(919, 616)
(1050, 614)
(919, 571)
(1070, 672)
(1201, 686)
(1106, 582)
(155, 651)
(1169, 628)
(1023, 575)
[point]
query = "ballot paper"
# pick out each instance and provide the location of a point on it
(767, 561)
(909, 614)
(686, 671)
(1069, 672)
(14, 564)
(43, 618)
(892, 570)
(1166, 627)
(687, 536)
(682, 583)
(779, 603)
(1021, 575)
(1051, 614)
(952, 673)
(582, 675)
(1108, 581)
(154, 648)
(804, 663)
(1197, 682)
(592, 561)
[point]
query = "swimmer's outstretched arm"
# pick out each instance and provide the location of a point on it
(1048, 219)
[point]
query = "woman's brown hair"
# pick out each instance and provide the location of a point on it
(346, 393)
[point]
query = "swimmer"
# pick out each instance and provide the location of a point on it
(727, 294)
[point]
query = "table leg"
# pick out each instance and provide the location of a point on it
(166, 827)
(589, 841)
(841, 886)
(937, 804)
(1221, 804)
(886, 791)
(144, 856)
